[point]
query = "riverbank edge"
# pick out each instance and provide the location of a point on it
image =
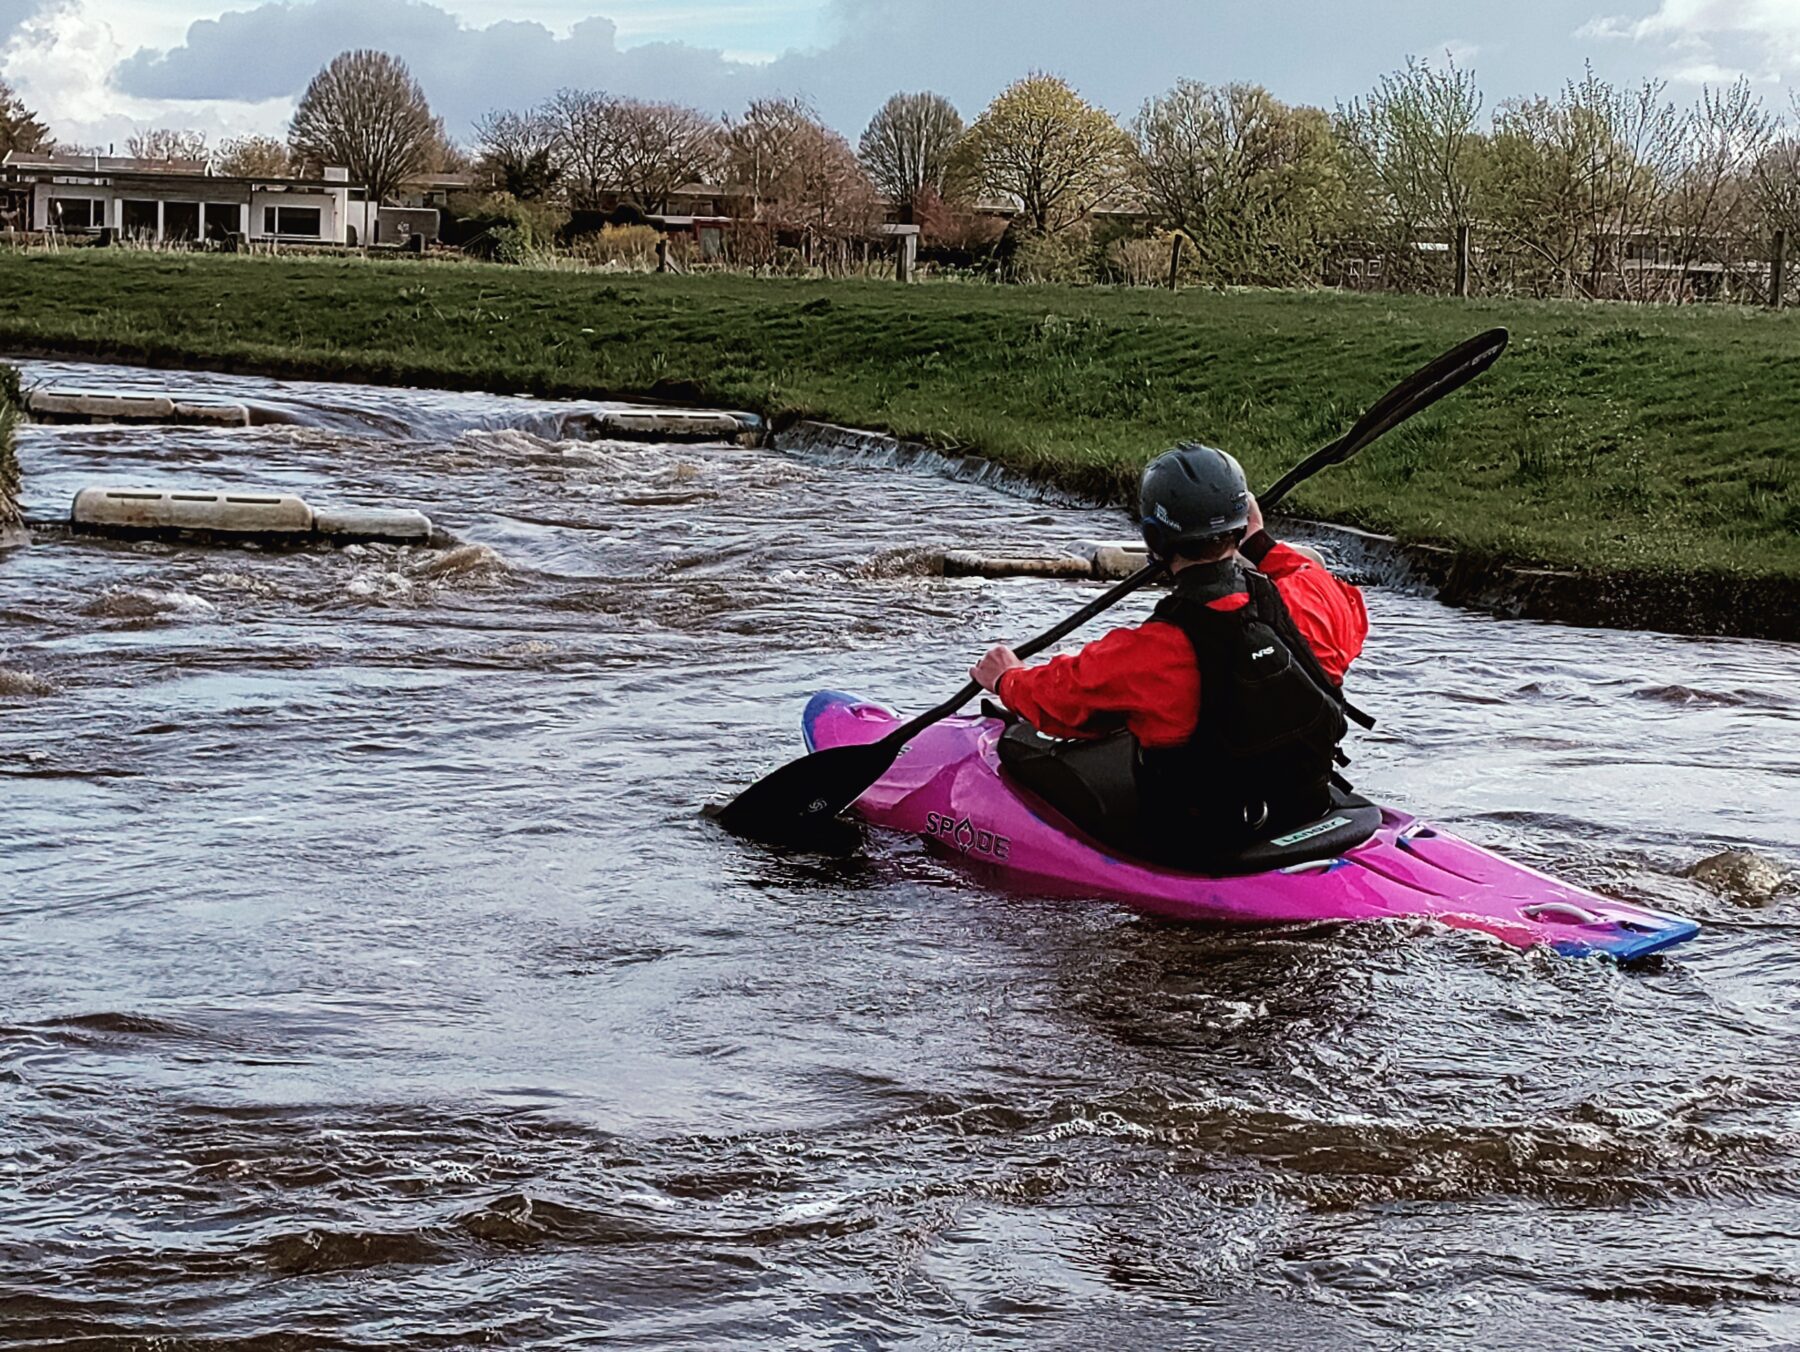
(12, 519)
(1702, 603)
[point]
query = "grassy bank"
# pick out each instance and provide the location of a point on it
(1632, 439)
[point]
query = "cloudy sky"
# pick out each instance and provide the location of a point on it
(98, 69)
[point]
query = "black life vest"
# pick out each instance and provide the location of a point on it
(1263, 753)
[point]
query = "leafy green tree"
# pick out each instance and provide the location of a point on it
(20, 128)
(1414, 150)
(1045, 147)
(1258, 187)
(1573, 185)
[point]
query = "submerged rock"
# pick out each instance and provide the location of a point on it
(458, 562)
(15, 684)
(1742, 876)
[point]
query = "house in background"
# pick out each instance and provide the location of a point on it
(172, 200)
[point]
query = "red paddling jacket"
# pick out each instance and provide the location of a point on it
(1231, 690)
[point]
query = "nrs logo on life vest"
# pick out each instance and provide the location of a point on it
(966, 836)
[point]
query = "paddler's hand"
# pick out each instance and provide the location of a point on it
(1255, 522)
(987, 672)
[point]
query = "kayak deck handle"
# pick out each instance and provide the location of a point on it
(1313, 866)
(1560, 913)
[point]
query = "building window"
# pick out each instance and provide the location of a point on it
(138, 219)
(219, 219)
(307, 221)
(181, 220)
(74, 213)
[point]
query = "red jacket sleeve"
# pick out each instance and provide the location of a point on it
(1328, 612)
(1144, 679)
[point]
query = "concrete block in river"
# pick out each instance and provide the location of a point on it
(398, 524)
(1115, 562)
(219, 512)
(967, 563)
(681, 424)
(242, 514)
(64, 404)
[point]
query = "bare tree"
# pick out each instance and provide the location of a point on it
(518, 152)
(1776, 176)
(908, 145)
(20, 128)
(365, 111)
(167, 143)
(1041, 144)
(582, 128)
(826, 190)
(659, 147)
(1712, 206)
(762, 147)
(253, 157)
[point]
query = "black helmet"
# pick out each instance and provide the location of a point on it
(1191, 494)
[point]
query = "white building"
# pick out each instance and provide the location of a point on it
(172, 200)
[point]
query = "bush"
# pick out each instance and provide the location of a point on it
(499, 226)
(1065, 258)
(1144, 261)
(628, 247)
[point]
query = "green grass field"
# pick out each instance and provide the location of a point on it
(1624, 439)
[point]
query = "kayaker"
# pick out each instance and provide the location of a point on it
(1232, 688)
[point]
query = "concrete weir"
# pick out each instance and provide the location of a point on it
(64, 404)
(239, 515)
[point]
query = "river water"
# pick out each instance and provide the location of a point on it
(369, 979)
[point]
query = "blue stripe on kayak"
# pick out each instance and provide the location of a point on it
(1626, 946)
(817, 706)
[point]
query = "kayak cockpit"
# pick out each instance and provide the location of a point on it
(1090, 788)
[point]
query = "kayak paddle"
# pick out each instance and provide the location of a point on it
(790, 805)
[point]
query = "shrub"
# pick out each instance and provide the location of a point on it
(1143, 261)
(1065, 258)
(499, 226)
(628, 247)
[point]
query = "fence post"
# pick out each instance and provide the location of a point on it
(1175, 262)
(906, 256)
(662, 253)
(1462, 261)
(1778, 270)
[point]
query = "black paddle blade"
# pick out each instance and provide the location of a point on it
(797, 804)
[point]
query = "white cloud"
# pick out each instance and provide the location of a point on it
(61, 61)
(1608, 28)
(1461, 51)
(1712, 41)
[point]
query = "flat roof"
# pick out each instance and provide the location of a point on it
(144, 173)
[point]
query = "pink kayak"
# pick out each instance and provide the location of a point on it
(1362, 862)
